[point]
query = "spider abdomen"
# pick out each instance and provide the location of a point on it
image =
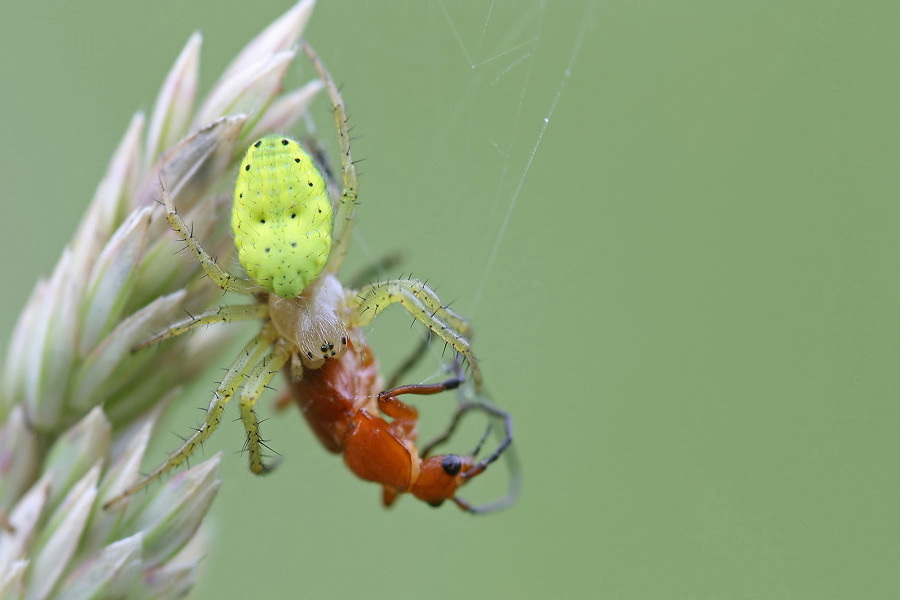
(281, 217)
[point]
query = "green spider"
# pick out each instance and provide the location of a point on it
(282, 223)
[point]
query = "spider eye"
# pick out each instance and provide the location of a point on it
(451, 464)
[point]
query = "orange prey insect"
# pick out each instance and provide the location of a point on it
(343, 405)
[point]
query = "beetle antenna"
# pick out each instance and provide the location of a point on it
(481, 442)
(512, 460)
(507, 440)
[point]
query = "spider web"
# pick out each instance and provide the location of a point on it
(497, 73)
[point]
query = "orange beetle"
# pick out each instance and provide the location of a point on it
(343, 405)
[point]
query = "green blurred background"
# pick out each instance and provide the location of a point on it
(688, 300)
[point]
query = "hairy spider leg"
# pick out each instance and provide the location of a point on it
(343, 218)
(222, 314)
(256, 383)
(243, 365)
(224, 280)
(424, 305)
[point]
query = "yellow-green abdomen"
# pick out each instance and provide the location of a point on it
(281, 217)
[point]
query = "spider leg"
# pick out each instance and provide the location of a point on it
(257, 380)
(224, 280)
(222, 314)
(423, 304)
(343, 217)
(251, 354)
